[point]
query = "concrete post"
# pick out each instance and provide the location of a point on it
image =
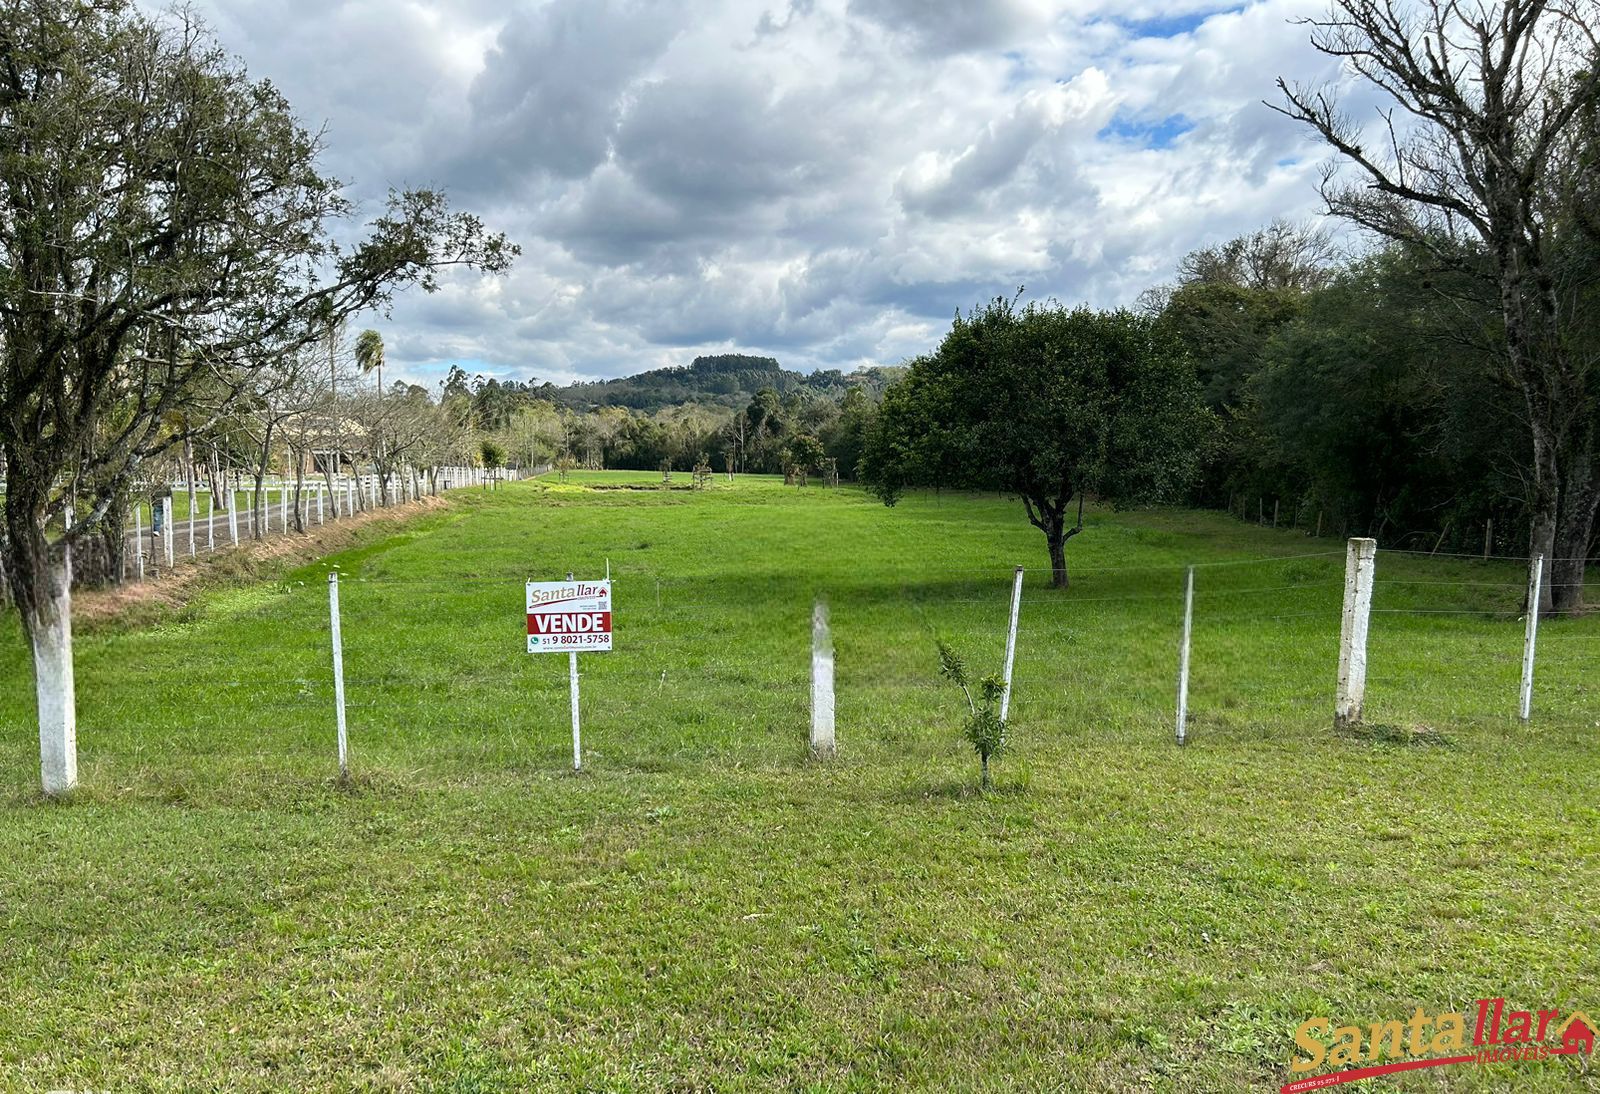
(822, 737)
(1183, 656)
(338, 675)
(1360, 562)
(1011, 643)
(1530, 638)
(166, 530)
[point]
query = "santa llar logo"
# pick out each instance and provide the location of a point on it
(1490, 1034)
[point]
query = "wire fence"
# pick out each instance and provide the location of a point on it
(707, 666)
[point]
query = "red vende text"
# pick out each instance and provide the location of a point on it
(570, 623)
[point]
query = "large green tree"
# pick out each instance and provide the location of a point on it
(164, 235)
(1049, 404)
(1376, 404)
(1230, 300)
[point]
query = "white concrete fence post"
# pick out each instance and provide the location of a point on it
(233, 519)
(55, 691)
(1011, 644)
(283, 509)
(1183, 656)
(211, 516)
(1530, 637)
(166, 531)
(823, 742)
(1360, 562)
(319, 506)
(338, 675)
(138, 540)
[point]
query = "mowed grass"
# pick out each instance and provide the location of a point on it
(707, 907)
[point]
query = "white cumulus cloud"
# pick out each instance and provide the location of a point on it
(826, 181)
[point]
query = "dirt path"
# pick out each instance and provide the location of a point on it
(251, 560)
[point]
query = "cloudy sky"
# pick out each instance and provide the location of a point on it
(824, 181)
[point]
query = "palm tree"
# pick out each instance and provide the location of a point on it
(369, 354)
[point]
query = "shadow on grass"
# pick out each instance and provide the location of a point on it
(1417, 736)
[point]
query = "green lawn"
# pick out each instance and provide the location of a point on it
(706, 906)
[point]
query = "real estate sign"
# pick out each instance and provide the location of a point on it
(569, 616)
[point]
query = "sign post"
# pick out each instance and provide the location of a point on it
(570, 617)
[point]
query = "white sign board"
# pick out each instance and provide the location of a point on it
(569, 616)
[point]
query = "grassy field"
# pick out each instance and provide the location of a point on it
(705, 906)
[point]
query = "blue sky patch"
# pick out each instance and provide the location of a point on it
(1170, 26)
(1152, 134)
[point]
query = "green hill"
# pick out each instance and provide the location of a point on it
(727, 379)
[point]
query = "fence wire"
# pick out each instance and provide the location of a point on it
(706, 665)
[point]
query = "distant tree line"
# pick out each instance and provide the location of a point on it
(803, 429)
(1367, 391)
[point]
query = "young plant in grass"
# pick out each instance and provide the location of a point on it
(983, 727)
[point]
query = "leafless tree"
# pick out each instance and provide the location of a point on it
(399, 428)
(282, 397)
(1283, 255)
(1467, 163)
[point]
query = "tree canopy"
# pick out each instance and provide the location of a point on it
(1049, 404)
(165, 240)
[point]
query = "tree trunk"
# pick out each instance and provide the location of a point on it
(299, 488)
(1562, 508)
(327, 478)
(1049, 515)
(261, 474)
(112, 536)
(983, 760)
(1056, 537)
(220, 501)
(256, 506)
(41, 583)
(1565, 563)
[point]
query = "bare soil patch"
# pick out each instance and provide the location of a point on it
(251, 560)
